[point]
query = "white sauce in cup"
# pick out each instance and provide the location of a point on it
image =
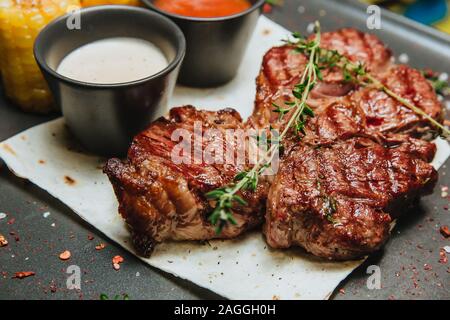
(113, 60)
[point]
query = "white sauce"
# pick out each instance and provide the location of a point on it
(113, 60)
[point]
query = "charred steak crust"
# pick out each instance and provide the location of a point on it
(162, 200)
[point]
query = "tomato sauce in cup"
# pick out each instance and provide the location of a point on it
(203, 8)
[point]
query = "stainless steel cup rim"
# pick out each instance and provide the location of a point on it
(256, 5)
(39, 44)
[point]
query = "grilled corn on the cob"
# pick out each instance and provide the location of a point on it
(20, 22)
(88, 3)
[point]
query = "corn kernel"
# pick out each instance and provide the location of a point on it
(20, 22)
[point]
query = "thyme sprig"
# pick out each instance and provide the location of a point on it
(226, 198)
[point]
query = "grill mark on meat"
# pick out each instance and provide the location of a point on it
(358, 46)
(285, 68)
(366, 45)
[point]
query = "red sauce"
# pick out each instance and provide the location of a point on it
(203, 8)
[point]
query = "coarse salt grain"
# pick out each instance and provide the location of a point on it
(310, 28)
(403, 58)
(46, 214)
(3, 215)
(447, 249)
(443, 76)
(301, 9)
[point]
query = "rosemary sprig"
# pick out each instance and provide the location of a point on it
(226, 198)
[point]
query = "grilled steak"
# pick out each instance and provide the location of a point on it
(162, 199)
(338, 187)
(282, 68)
(338, 201)
(386, 114)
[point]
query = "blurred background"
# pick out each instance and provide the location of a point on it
(434, 13)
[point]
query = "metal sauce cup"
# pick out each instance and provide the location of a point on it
(105, 117)
(215, 46)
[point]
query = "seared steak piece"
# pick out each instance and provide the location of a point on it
(282, 68)
(341, 184)
(344, 120)
(337, 121)
(338, 201)
(162, 199)
(385, 114)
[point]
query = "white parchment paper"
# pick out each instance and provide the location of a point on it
(244, 268)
